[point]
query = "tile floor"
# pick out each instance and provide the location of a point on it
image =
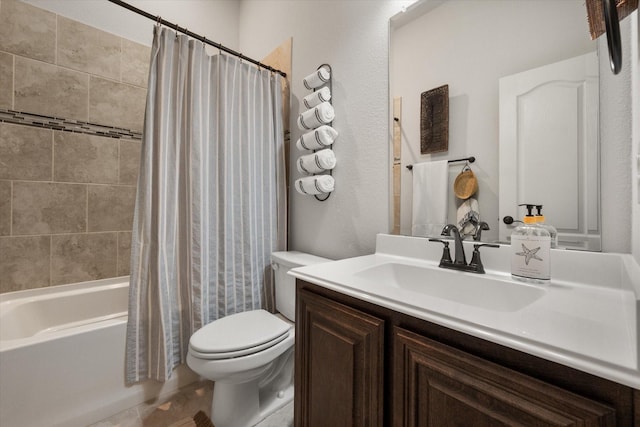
(186, 403)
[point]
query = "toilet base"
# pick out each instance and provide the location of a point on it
(245, 405)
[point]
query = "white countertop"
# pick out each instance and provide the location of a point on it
(586, 318)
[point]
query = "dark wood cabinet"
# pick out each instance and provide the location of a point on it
(439, 386)
(360, 364)
(339, 364)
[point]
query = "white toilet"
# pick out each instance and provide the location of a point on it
(249, 355)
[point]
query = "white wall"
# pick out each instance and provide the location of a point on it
(352, 36)
(635, 158)
(616, 146)
(214, 19)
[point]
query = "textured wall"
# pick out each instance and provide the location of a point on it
(635, 158)
(352, 36)
(66, 199)
(616, 146)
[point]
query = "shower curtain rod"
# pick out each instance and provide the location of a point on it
(203, 39)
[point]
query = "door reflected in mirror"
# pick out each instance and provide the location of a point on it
(471, 46)
(549, 148)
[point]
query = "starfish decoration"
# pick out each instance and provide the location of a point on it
(529, 254)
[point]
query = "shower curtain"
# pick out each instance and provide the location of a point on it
(210, 205)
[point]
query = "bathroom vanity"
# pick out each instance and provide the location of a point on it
(373, 348)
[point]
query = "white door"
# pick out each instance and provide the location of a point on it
(549, 148)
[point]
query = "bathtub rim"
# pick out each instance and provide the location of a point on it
(45, 290)
(8, 299)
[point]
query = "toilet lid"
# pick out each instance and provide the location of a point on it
(238, 334)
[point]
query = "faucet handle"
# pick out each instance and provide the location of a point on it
(446, 254)
(476, 262)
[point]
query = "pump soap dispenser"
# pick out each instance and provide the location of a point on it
(530, 250)
(550, 228)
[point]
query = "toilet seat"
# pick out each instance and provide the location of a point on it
(238, 335)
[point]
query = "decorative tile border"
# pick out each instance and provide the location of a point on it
(66, 125)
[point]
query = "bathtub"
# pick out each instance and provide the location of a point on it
(62, 356)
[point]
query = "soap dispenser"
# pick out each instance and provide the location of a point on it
(530, 250)
(550, 228)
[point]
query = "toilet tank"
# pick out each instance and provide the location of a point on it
(285, 285)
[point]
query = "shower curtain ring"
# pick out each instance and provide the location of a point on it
(158, 20)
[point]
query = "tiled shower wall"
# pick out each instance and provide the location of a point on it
(66, 199)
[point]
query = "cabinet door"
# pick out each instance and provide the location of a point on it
(439, 386)
(339, 364)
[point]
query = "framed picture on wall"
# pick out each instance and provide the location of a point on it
(434, 120)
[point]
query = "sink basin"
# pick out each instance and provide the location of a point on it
(490, 293)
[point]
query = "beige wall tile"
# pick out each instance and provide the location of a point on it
(88, 49)
(25, 152)
(27, 30)
(129, 161)
(85, 158)
(79, 257)
(44, 208)
(24, 262)
(5, 208)
(116, 104)
(110, 207)
(124, 253)
(50, 90)
(135, 63)
(6, 80)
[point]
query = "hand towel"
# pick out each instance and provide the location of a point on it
(317, 184)
(317, 162)
(317, 97)
(321, 114)
(317, 78)
(321, 137)
(430, 193)
(468, 217)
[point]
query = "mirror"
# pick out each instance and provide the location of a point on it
(470, 46)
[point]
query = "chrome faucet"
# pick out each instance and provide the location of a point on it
(460, 262)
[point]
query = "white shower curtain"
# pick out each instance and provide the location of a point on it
(210, 206)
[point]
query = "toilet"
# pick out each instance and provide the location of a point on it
(249, 355)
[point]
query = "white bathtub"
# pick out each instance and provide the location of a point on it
(62, 356)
